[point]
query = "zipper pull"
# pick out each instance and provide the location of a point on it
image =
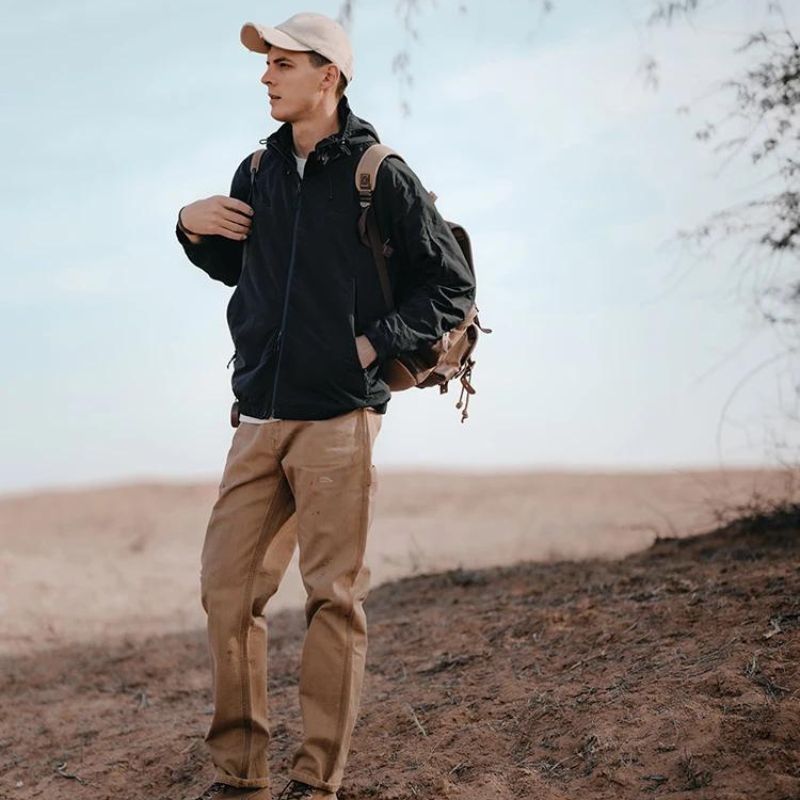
(232, 358)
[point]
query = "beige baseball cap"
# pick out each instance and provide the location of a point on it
(305, 31)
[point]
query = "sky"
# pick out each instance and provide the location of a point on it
(613, 346)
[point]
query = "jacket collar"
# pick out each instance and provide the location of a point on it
(352, 131)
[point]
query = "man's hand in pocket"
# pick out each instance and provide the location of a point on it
(366, 352)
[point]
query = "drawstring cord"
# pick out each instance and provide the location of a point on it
(466, 386)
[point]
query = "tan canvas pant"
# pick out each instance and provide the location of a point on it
(309, 482)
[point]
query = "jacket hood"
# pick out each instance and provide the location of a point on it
(353, 132)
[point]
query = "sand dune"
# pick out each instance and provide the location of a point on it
(119, 561)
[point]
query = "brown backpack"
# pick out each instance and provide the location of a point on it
(433, 365)
(448, 358)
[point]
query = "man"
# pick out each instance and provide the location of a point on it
(311, 333)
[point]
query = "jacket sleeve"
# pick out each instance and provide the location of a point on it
(217, 255)
(438, 287)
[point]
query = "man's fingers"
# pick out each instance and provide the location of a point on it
(233, 230)
(235, 222)
(237, 205)
(231, 218)
(229, 234)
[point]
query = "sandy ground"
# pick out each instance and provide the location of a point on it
(88, 564)
(671, 673)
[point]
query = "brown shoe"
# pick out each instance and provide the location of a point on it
(223, 791)
(297, 790)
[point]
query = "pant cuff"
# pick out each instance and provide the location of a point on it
(312, 781)
(221, 776)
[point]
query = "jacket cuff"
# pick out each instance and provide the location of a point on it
(378, 339)
(184, 239)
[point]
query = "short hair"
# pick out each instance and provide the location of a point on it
(319, 60)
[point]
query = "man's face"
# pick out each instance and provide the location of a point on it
(295, 86)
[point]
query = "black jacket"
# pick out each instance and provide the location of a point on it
(309, 286)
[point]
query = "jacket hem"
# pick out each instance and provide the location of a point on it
(293, 411)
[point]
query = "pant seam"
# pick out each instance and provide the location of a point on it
(364, 428)
(247, 722)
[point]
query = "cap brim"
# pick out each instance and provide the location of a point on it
(255, 37)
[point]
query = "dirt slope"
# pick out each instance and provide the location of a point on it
(99, 561)
(672, 673)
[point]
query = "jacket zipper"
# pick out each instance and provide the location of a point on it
(279, 342)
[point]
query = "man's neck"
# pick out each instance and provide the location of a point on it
(307, 132)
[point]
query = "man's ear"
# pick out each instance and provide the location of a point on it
(331, 76)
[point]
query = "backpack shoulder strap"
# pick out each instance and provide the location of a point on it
(366, 175)
(255, 163)
(367, 170)
(255, 160)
